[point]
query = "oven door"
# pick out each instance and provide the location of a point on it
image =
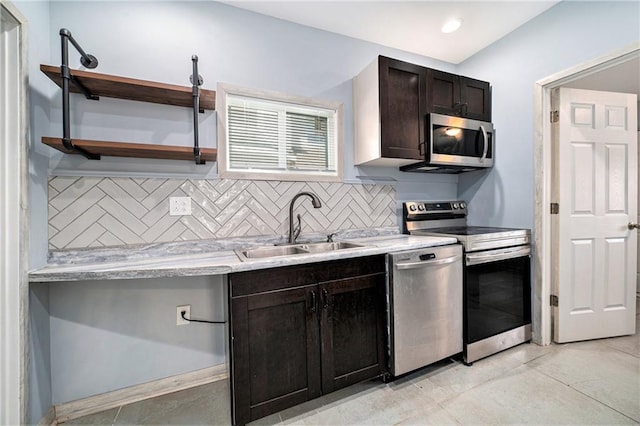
(497, 291)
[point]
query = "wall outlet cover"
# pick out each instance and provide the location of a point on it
(187, 310)
(179, 206)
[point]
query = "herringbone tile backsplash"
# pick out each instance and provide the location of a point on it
(100, 212)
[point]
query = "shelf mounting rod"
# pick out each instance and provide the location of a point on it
(88, 61)
(196, 80)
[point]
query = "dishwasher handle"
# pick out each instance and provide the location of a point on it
(427, 263)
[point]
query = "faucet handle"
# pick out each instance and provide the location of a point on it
(330, 237)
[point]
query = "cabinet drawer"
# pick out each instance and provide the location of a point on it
(265, 280)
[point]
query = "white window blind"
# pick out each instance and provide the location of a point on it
(274, 136)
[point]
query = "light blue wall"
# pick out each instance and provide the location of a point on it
(40, 93)
(40, 353)
(566, 35)
(107, 335)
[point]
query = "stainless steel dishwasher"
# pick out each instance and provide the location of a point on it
(424, 301)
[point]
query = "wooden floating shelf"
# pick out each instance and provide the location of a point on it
(112, 86)
(135, 150)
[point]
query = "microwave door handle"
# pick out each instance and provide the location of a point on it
(485, 148)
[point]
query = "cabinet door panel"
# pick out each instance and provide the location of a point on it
(352, 329)
(281, 328)
(475, 96)
(452, 94)
(276, 361)
(443, 93)
(402, 108)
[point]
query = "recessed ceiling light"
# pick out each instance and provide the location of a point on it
(451, 25)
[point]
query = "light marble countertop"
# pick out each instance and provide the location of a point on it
(205, 258)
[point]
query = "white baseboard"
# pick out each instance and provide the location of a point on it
(49, 419)
(94, 404)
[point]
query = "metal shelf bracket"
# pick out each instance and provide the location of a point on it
(196, 80)
(86, 60)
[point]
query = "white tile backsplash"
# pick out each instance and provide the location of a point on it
(98, 212)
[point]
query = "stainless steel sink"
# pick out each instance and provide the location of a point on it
(322, 247)
(291, 250)
(261, 252)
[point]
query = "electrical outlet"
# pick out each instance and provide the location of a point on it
(179, 206)
(187, 314)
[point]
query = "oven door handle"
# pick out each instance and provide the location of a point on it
(425, 263)
(496, 255)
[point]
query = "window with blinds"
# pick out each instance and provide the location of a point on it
(273, 137)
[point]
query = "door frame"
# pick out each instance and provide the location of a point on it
(14, 285)
(543, 237)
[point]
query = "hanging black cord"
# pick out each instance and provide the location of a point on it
(183, 313)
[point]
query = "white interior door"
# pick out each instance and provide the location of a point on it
(596, 188)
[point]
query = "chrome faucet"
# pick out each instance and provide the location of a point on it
(294, 232)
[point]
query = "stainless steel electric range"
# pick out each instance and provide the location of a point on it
(497, 275)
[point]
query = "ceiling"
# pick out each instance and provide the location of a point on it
(412, 26)
(623, 77)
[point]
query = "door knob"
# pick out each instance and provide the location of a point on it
(633, 225)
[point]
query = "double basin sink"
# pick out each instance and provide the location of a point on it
(290, 250)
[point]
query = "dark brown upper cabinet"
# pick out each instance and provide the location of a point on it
(452, 94)
(392, 99)
(402, 108)
(390, 109)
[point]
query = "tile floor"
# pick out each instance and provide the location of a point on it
(593, 382)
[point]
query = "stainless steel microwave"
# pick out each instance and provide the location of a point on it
(455, 145)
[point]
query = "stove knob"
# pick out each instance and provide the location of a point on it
(412, 207)
(421, 207)
(463, 205)
(455, 205)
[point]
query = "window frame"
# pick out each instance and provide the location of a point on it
(224, 89)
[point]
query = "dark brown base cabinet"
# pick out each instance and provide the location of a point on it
(303, 331)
